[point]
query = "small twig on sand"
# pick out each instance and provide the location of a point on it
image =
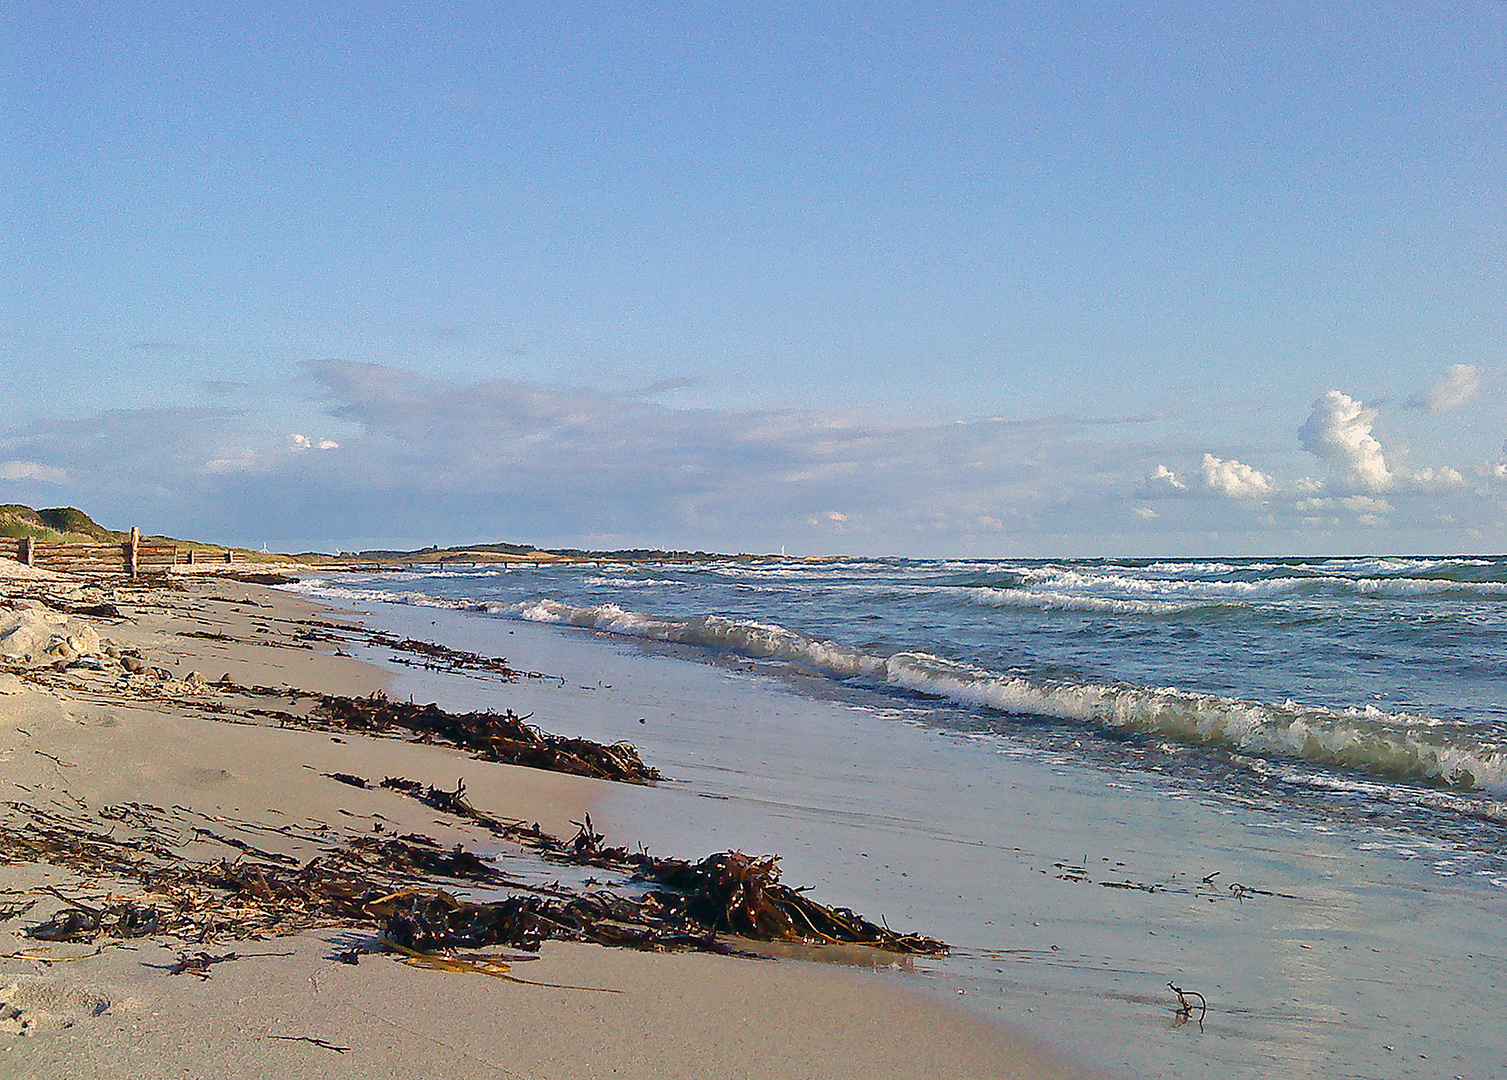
(199, 964)
(311, 1039)
(1185, 1007)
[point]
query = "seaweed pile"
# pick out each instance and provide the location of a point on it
(492, 736)
(682, 904)
(391, 886)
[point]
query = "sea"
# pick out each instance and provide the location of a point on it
(1182, 817)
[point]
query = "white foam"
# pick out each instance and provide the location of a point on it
(1047, 600)
(1367, 740)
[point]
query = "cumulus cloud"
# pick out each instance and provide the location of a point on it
(1145, 513)
(1164, 481)
(1366, 504)
(1338, 432)
(1461, 383)
(1235, 479)
(33, 471)
(303, 442)
(1441, 479)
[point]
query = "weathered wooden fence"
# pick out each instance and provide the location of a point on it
(133, 556)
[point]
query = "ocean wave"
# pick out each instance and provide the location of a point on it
(1362, 740)
(765, 641)
(1099, 583)
(1366, 740)
(1394, 567)
(1120, 585)
(633, 582)
(1061, 601)
(369, 594)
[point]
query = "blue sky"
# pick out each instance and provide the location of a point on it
(884, 278)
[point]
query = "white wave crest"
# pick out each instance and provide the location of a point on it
(366, 594)
(765, 641)
(1126, 586)
(1060, 601)
(1362, 740)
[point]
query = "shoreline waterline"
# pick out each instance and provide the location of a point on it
(1308, 929)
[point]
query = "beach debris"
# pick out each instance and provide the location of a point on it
(686, 906)
(80, 923)
(325, 1044)
(442, 656)
(200, 963)
(743, 895)
(39, 957)
(10, 911)
(492, 736)
(480, 964)
(1185, 1007)
(347, 778)
(393, 885)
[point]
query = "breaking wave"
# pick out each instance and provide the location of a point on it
(1366, 740)
(1362, 741)
(716, 633)
(1047, 600)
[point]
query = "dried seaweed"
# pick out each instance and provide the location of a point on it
(443, 657)
(492, 736)
(686, 905)
(388, 884)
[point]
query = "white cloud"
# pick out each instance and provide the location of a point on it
(425, 460)
(245, 461)
(303, 442)
(1460, 384)
(1440, 479)
(1339, 433)
(35, 471)
(1366, 504)
(1164, 479)
(1235, 480)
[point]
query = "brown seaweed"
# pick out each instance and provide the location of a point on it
(444, 657)
(503, 737)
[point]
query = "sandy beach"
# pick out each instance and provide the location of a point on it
(175, 756)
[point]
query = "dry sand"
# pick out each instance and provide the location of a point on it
(77, 741)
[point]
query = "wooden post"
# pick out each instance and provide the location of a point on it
(28, 549)
(131, 550)
(229, 556)
(190, 556)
